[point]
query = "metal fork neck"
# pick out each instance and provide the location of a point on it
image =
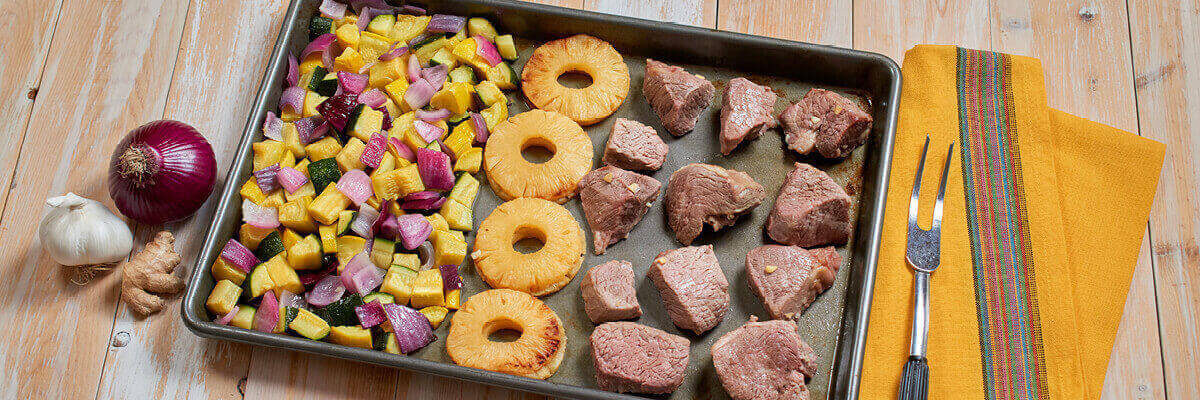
(920, 324)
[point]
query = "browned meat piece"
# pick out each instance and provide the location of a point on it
(764, 361)
(608, 292)
(829, 122)
(692, 286)
(703, 193)
(614, 200)
(678, 97)
(637, 358)
(789, 278)
(746, 112)
(811, 210)
(633, 145)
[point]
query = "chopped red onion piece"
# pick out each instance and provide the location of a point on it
(310, 129)
(352, 82)
(414, 230)
(224, 320)
(429, 132)
(328, 290)
(431, 204)
(359, 5)
(359, 261)
(333, 9)
(479, 125)
(436, 75)
(432, 116)
(487, 50)
(435, 169)
(450, 278)
(442, 23)
(373, 153)
(291, 179)
(363, 222)
(259, 216)
(389, 228)
(370, 314)
(412, 10)
(323, 45)
(419, 93)
(292, 97)
(366, 67)
(401, 150)
(289, 299)
(414, 70)
(367, 279)
(238, 255)
(356, 185)
(372, 98)
(293, 75)
(267, 316)
(393, 53)
(273, 127)
(411, 328)
(386, 125)
(267, 178)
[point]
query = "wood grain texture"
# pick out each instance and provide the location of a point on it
(1166, 62)
(30, 26)
(824, 21)
(687, 12)
(103, 76)
(1061, 33)
(892, 27)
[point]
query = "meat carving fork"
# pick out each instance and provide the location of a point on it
(923, 255)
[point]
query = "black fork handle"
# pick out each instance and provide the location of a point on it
(914, 384)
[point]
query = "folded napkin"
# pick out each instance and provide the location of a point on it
(1044, 216)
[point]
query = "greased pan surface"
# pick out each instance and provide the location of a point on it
(834, 325)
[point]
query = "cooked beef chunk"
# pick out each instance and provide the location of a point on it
(692, 286)
(811, 210)
(746, 112)
(764, 361)
(614, 200)
(608, 292)
(637, 358)
(703, 193)
(829, 122)
(789, 278)
(678, 97)
(633, 145)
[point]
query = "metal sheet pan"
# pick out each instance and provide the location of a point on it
(835, 325)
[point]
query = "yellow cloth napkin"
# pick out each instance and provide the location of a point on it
(1038, 245)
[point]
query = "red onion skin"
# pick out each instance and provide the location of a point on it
(161, 172)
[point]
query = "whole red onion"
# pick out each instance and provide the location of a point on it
(160, 172)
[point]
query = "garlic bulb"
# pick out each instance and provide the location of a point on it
(79, 231)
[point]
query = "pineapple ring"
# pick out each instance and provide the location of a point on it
(511, 176)
(539, 273)
(536, 354)
(579, 53)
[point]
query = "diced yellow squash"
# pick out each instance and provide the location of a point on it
(309, 325)
(395, 91)
(406, 260)
(328, 235)
(291, 139)
(352, 336)
(403, 124)
(305, 254)
(310, 63)
(398, 182)
(274, 199)
(374, 202)
(348, 19)
(244, 318)
(381, 252)
(481, 27)
(327, 205)
(305, 190)
(283, 275)
(489, 93)
(302, 166)
(386, 72)
(423, 53)
(347, 36)
(435, 314)
(387, 163)
(465, 190)
(391, 347)
(288, 160)
(372, 45)
(469, 161)
(495, 114)
(294, 215)
(464, 51)
(449, 247)
(290, 237)
(267, 153)
(408, 27)
(224, 271)
(287, 114)
(349, 61)
(391, 107)
(453, 299)
(223, 297)
(457, 215)
(347, 247)
(322, 149)
(394, 207)
(455, 97)
(369, 121)
(311, 101)
(460, 138)
(501, 74)
(250, 235)
(251, 191)
(427, 289)
(438, 222)
(350, 158)
(382, 25)
(398, 282)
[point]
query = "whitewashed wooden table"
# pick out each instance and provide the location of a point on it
(77, 75)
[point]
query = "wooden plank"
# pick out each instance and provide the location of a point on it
(687, 12)
(1061, 33)
(215, 78)
(1166, 61)
(30, 25)
(822, 21)
(892, 27)
(103, 76)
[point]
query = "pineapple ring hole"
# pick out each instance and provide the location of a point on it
(538, 150)
(528, 240)
(575, 79)
(502, 330)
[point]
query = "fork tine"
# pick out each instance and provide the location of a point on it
(941, 197)
(914, 203)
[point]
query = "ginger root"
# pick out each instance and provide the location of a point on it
(148, 274)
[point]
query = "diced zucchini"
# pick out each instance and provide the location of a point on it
(466, 188)
(494, 114)
(391, 346)
(399, 283)
(449, 247)
(270, 246)
(244, 318)
(323, 172)
(327, 87)
(424, 52)
(381, 252)
(503, 75)
(258, 282)
(341, 312)
(383, 298)
(224, 271)
(352, 336)
(350, 157)
(328, 235)
(223, 297)
(305, 254)
(309, 325)
(284, 277)
(382, 24)
(489, 93)
(453, 299)
(457, 215)
(348, 247)
(294, 215)
(443, 57)
(427, 289)
(481, 27)
(319, 25)
(508, 49)
(343, 224)
(462, 74)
